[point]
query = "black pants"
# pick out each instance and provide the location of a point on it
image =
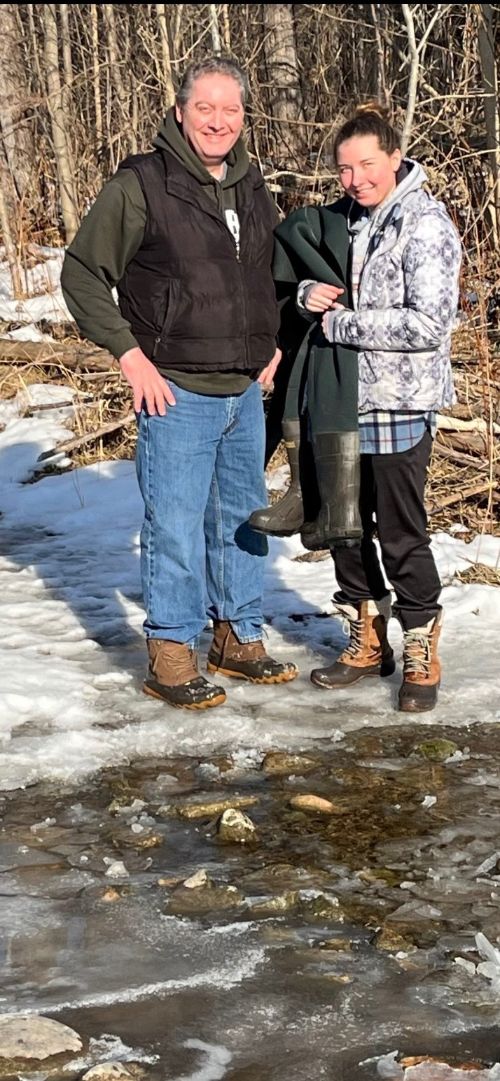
(392, 502)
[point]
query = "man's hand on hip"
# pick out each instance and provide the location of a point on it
(147, 384)
(267, 375)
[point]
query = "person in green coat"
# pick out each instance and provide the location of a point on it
(396, 314)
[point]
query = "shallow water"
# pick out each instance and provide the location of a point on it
(378, 901)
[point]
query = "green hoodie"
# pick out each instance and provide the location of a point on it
(111, 234)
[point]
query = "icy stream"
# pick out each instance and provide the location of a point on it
(343, 937)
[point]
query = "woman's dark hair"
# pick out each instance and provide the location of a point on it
(371, 118)
(212, 65)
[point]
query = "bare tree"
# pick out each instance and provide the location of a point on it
(214, 29)
(8, 237)
(96, 77)
(284, 89)
(14, 99)
(166, 52)
(60, 123)
(489, 75)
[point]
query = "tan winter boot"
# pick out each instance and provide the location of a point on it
(245, 660)
(421, 667)
(174, 677)
(368, 652)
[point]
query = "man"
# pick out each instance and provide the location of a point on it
(185, 233)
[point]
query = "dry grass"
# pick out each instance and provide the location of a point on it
(479, 572)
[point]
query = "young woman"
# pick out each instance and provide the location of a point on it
(396, 314)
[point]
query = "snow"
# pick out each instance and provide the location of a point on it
(72, 653)
(44, 299)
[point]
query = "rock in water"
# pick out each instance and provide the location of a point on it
(28, 1037)
(114, 1071)
(234, 826)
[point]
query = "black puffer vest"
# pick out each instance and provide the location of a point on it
(192, 303)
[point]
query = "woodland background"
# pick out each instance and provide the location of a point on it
(83, 85)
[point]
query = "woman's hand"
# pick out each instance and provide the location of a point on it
(322, 297)
(328, 320)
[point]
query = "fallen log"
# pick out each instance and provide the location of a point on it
(89, 437)
(57, 354)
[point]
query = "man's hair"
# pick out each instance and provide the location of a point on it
(212, 65)
(371, 118)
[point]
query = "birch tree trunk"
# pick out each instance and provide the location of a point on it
(489, 75)
(60, 123)
(14, 99)
(114, 58)
(8, 238)
(96, 79)
(214, 29)
(168, 82)
(284, 93)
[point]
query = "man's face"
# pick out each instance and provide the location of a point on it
(212, 119)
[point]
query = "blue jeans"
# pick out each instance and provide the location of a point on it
(201, 474)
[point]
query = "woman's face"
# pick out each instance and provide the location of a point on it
(367, 172)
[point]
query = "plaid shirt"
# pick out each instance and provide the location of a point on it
(392, 432)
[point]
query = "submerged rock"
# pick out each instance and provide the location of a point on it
(275, 906)
(209, 808)
(281, 764)
(207, 897)
(114, 1071)
(235, 827)
(391, 940)
(313, 804)
(437, 750)
(200, 878)
(321, 908)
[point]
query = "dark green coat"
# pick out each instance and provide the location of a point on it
(313, 243)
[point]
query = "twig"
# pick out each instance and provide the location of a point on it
(464, 493)
(90, 437)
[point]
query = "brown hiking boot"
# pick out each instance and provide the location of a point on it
(245, 660)
(174, 677)
(421, 667)
(368, 652)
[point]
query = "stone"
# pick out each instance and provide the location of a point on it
(281, 764)
(117, 869)
(437, 750)
(114, 1071)
(322, 908)
(128, 838)
(28, 1037)
(392, 941)
(110, 895)
(342, 945)
(379, 874)
(236, 827)
(120, 806)
(313, 804)
(200, 878)
(210, 808)
(206, 898)
(275, 906)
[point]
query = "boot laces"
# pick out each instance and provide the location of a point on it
(417, 652)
